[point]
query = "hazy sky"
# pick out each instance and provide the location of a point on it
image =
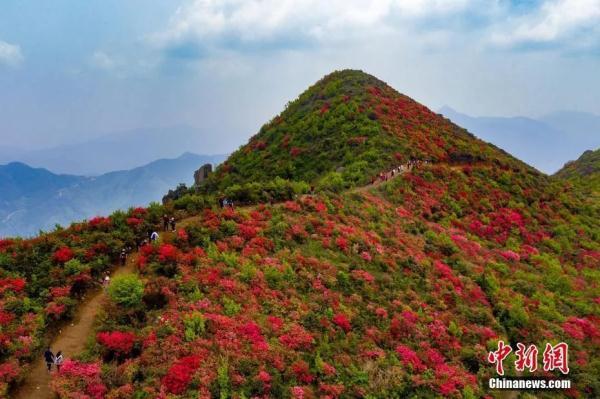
(72, 70)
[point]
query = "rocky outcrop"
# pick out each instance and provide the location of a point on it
(201, 174)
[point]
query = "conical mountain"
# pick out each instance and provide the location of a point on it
(352, 121)
(398, 289)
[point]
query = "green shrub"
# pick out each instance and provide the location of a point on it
(194, 202)
(231, 307)
(73, 267)
(194, 326)
(126, 290)
(332, 181)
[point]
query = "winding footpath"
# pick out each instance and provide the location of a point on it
(71, 340)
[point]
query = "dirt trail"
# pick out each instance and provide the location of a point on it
(70, 340)
(379, 182)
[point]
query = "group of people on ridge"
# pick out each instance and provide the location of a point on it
(385, 176)
(225, 202)
(52, 359)
(169, 223)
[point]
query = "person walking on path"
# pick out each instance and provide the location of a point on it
(165, 220)
(49, 358)
(123, 257)
(106, 281)
(173, 223)
(58, 360)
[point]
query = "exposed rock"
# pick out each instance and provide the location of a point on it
(201, 174)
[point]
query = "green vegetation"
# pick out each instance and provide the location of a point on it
(584, 174)
(399, 290)
(126, 290)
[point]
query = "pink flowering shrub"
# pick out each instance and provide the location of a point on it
(117, 341)
(410, 358)
(63, 254)
(342, 322)
(180, 374)
(79, 380)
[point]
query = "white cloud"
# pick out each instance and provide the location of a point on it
(101, 60)
(232, 23)
(555, 20)
(10, 54)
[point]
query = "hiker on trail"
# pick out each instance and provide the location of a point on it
(58, 360)
(49, 358)
(165, 219)
(172, 221)
(123, 257)
(106, 281)
(154, 236)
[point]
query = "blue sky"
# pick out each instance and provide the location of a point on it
(73, 70)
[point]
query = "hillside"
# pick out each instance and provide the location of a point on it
(388, 290)
(18, 180)
(587, 165)
(546, 142)
(584, 173)
(34, 199)
(355, 124)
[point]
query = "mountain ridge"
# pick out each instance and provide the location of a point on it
(344, 121)
(122, 150)
(34, 199)
(397, 289)
(584, 174)
(546, 142)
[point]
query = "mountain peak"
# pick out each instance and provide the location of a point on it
(587, 164)
(352, 123)
(447, 110)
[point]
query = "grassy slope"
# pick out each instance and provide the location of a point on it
(395, 292)
(584, 173)
(401, 291)
(353, 122)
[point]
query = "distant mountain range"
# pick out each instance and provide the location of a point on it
(546, 143)
(34, 198)
(118, 151)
